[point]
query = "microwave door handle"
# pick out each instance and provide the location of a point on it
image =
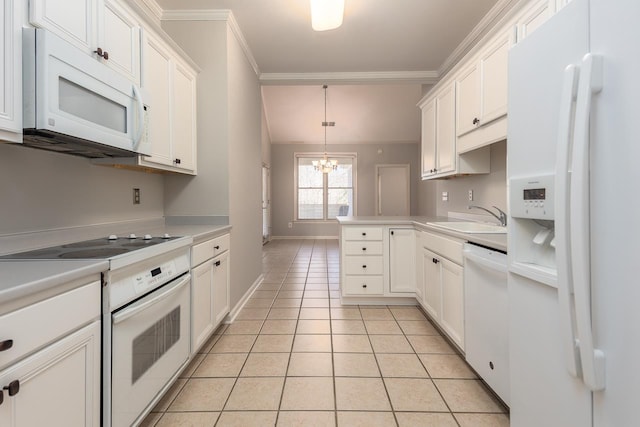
(138, 137)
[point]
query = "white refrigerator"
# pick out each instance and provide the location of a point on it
(573, 164)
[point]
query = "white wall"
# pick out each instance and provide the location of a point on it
(229, 146)
(282, 194)
(40, 191)
(489, 189)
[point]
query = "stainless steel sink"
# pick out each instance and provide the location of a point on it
(470, 227)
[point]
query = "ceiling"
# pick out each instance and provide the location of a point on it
(388, 48)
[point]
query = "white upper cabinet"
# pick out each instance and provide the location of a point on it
(120, 38)
(468, 100)
(184, 117)
(494, 79)
(10, 75)
(533, 17)
(104, 29)
(439, 150)
(156, 80)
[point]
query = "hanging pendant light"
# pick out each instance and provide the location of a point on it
(325, 165)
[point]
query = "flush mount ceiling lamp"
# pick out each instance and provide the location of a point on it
(326, 14)
(325, 165)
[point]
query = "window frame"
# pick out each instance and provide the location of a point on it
(325, 184)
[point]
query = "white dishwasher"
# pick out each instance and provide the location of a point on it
(487, 316)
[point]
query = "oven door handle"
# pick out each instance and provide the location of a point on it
(138, 307)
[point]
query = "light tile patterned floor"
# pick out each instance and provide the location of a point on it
(296, 357)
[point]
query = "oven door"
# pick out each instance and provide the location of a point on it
(150, 344)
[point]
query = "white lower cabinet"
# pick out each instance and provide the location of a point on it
(209, 288)
(362, 263)
(58, 386)
(50, 361)
(402, 260)
(442, 284)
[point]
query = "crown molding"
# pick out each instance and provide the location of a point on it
(421, 77)
(214, 15)
(151, 8)
(486, 25)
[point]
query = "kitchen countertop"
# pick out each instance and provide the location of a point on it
(495, 241)
(24, 282)
(30, 281)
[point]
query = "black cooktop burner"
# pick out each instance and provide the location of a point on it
(90, 249)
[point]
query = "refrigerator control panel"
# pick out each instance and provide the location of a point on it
(532, 197)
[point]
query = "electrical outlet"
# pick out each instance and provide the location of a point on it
(290, 225)
(470, 195)
(445, 196)
(136, 196)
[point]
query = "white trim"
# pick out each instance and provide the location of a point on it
(342, 143)
(472, 41)
(215, 15)
(150, 8)
(423, 77)
(231, 317)
(304, 237)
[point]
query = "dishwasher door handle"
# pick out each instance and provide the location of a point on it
(485, 261)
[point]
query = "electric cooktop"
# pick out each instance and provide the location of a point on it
(103, 248)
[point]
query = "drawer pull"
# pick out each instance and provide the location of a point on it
(6, 345)
(216, 247)
(13, 387)
(364, 234)
(364, 249)
(364, 266)
(364, 285)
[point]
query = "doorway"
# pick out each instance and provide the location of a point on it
(266, 204)
(392, 195)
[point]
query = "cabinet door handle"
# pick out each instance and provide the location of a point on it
(6, 345)
(216, 247)
(217, 263)
(177, 161)
(102, 54)
(13, 387)
(364, 285)
(392, 233)
(476, 121)
(435, 260)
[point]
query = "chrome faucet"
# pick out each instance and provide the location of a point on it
(502, 218)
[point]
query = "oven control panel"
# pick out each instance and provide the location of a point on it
(128, 284)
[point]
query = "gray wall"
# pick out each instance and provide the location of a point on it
(229, 146)
(40, 191)
(282, 194)
(488, 189)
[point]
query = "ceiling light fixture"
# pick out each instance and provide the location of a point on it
(326, 14)
(325, 165)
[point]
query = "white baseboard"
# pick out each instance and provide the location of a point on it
(304, 237)
(231, 317)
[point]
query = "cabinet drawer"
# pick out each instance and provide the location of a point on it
(363, 265)
(362, 233)
(363, 248)
(38, 324)
(209, 249)
(363, 285)
(448, 248)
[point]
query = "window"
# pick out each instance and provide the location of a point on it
(323, 196)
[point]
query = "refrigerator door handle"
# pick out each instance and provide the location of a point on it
(592, 359)
(563, 257)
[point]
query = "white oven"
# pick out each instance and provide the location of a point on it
(150, 345)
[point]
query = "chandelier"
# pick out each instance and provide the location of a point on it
(325, 165)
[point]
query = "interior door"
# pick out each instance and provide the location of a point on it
(266, 204)
(392, 190)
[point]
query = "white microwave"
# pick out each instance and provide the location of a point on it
(73, 104)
